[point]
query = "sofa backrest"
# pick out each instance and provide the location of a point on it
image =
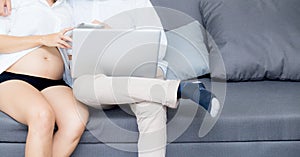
(190, 7)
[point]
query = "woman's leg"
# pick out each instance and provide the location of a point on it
(27, 105)
(100, 89)
(71, 118)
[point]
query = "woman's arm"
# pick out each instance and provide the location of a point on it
(11, 44)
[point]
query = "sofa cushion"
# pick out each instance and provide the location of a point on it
(259, 111)
(191, 8)
(253, 111)
(11, 130)
(187, 54)
(258, 39)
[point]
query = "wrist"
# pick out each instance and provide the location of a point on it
(40, 40)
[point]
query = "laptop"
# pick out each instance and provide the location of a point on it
(115, 52)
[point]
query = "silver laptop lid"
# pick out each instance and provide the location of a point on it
(115, 52)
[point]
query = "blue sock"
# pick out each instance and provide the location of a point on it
(195, 92)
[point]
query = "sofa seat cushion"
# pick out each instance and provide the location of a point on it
(253, 111)
(10, 130)
(259, 111)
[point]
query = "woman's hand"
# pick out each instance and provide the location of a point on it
(57, 39)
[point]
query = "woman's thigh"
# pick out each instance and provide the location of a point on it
(68, 111)
(22, 101)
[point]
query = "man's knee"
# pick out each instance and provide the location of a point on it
(148, 110)
(150, 116)
(83, 89)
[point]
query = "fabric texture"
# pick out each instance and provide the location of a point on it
(151, 119)
(189, 8)
(262, 116)
(187, 53)
(224, 149)
(94, 90)
(258, 39)
(253, 111)
(38, 82)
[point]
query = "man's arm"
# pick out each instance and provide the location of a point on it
(5, 7)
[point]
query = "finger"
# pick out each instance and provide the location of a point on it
(8, 5)
(66, 30)
(61, 46)
(96, 22)
(106, 26)
(64, 43)
(66, 38)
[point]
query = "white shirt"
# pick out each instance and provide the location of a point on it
(120, 13)
(89, 10)
(34, 17)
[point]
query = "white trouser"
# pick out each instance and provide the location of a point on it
(151, 120)
(147, 97)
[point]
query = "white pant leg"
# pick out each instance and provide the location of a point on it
(151, 120)
(95, 90)
(147, 99)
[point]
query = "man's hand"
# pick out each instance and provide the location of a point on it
(106, 26)
(5, 7)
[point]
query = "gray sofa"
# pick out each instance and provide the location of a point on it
(259, 118)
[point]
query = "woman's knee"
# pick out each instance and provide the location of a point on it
(42, 119)
(72, 131)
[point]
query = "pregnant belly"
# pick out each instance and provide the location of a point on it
(43, 62)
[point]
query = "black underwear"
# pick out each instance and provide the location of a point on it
(37, 82)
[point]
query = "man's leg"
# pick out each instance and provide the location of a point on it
(95, 90)
(151, 120)
(100, 89)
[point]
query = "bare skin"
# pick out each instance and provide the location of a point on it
(40, 110)
(106, 26)
(5, 7)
